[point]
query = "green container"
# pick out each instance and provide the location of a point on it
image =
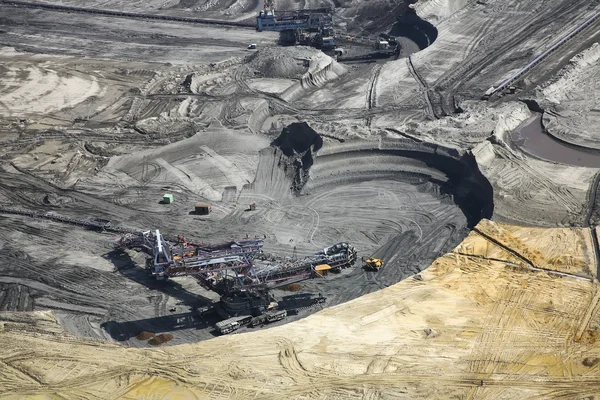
(167, 198)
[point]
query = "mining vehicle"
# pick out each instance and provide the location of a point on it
(268, 317)
(232, 324)
(373, 264)
(230, 269)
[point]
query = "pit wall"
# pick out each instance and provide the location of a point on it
(456, 173)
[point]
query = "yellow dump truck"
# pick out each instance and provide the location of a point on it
(373, 264)
(322, 269)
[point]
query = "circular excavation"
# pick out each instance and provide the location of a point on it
(317, 208)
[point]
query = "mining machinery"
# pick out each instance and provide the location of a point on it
(232, 269)
(312, 27)
(374, 264)
(312, 20)
(182, 258)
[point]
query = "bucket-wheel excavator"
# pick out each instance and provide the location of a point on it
(232, 270)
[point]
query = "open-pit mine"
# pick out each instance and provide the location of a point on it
(299, 199)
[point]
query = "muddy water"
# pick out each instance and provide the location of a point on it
(531, 138)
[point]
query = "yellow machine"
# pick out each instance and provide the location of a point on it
(322, 269)
(373, 263)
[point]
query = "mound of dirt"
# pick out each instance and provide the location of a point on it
(590, 361)
(287, 62)
(292, 287)
(144, 335)
(160, 339)
(56, 200)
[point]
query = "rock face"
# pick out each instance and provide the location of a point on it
(506, 314)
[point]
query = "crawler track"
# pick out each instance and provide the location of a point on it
(430, 109)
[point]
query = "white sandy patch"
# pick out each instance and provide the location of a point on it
(235, 175)
(184, 107)
(270, 85)
(85, 260)
(438, 9)
(6, 51)
(43, 91)
(191, 181)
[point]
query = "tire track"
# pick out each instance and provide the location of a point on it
(424, 88)
(473, 65)
(371, 88)
(371, 101)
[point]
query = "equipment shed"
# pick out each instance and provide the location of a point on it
(202, 208)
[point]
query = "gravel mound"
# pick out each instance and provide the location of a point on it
(286, 62)
(144, 335)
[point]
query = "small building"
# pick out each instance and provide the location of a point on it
(202, 208)
(167, 198)
(327, 42)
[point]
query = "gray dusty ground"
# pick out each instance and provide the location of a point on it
(99, 116)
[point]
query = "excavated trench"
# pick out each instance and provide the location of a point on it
(403, 201)
(412, 33)
(400, 200)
